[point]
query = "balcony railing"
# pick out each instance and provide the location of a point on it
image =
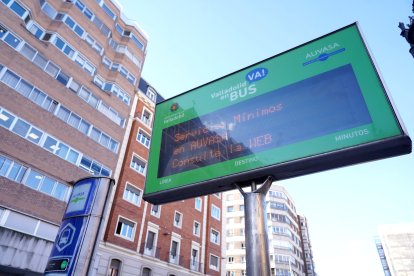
(195, 266)
(152, 251)
(175, 259)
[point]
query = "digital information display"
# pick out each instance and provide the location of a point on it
(315, 107)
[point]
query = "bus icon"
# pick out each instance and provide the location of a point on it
(65, 237)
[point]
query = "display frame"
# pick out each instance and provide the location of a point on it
(385, 136)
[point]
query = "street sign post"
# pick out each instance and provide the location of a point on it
(74, 245)
(318, 106)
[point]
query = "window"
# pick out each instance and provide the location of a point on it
(138, 164)
(6, 119)
(18, 9)
(125, 229)
(178, 219)
(28, 51)
(4, 165)
(51, 144)
(198, 203)
(40, 61)
(113, 145)
(49, 10)
(215, 236)
(230, 209)
(93, 167)
(74, 86)
(35, 30)
(10, 79)
(109, 12)
(74, 55)
(61, 191)
(21, 128)
(95, 134)
(63, 113)
(132, 194)
(47, 185)
(214, 262)
(215, 212)
(52, 69)
(230, 260)
(107, 62)
(12, 40)
(115, 267)
(43, 100)
(196, 228)
(33, 179)
(123, 72)
(131, 79)
(174, 251)
(156, 210)
(137, 42)
(146, 117)
(194, 265)
(119, 29)
(78, 30)
(16, 172)
(241, 207)
(112, 88)
(146, 271)
(151, 241)
(12, 170)
(63, 78)
(3, 31)
(69, 22)
(144, 138)
(151, 94)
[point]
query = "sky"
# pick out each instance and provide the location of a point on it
(192, 42)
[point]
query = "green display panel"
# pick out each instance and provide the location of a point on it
(318, 106)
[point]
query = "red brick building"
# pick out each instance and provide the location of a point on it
(69, 72)
(179, 238)
(72, 105)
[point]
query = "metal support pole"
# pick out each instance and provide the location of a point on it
(257, 243)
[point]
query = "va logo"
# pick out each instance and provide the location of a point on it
(256, 74)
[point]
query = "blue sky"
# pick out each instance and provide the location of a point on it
(195, 42)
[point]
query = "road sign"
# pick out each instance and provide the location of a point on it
(318, 106)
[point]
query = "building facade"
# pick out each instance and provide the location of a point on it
(306, 246)
(383, 258)
(179, 238)
(284, 233)
(69, 75)
(395, 248)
